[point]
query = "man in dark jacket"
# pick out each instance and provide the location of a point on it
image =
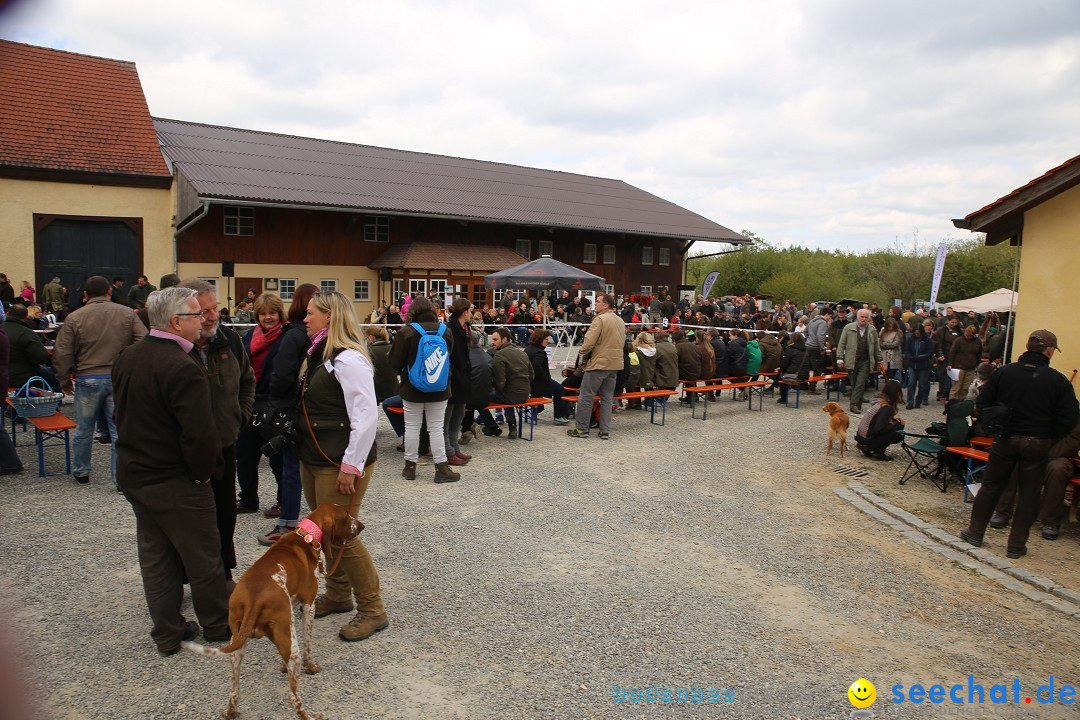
(9, 459)
(511, 377)
(166, 451)
(220, 352)
(460, 376)
(1041, 407)
(667, 363)
(28, 354)
(944, 338)
(689, 361)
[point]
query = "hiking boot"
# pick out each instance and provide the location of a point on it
(82, 479)
(409, 471)
(273, 511)
(363, 626)
(273, 536)
(577, 432)
(998, 521)
(443, 474)
(1050, 532)
(1014, 553)
(465, 438)
(970, 538)
(512, 429)
(325, 606)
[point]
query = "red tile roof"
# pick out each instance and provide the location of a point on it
(61, 111)
(434, 256)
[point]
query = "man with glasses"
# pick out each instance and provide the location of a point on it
(87, 346)
(220, 352)
(166, 453)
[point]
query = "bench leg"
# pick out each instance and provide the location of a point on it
(40, 452)
(67, 450)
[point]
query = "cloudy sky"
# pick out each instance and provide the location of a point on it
(825, 123)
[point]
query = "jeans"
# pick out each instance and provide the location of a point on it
(8, 457)
(918, 386)
(290, 489)
(559, 406)
(1028, 456)
(396, 421)
(248, 458)
(944, 381)
(415, 415)
(92, 393)
(455, 413)
(595, 382)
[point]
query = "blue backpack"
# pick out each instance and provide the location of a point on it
(430, 371)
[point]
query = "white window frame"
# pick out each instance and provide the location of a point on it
(527, 247)
(546, 247)
(327, 285)
(283, 283)
(361, 291)
(241, 220)
(519, 295)
(418, 286)
(646, 255)
(588, 253)
(609, 288)
(397, 289)
(438, 285)
(609, 255)
(665, 256)
(646, 290)
(377, 228)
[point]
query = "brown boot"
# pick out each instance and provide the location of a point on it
(409, 473)
(325, 606)
(363, 626)
(443, 473)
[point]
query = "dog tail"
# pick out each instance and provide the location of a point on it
(200, 649)
(241, 636)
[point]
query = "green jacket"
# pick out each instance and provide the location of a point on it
(848, 345)
(137, 295)
(28, 352)
(52, 296)
(511, 373)
(232, 382)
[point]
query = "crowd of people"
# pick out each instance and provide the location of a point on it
(300, 386)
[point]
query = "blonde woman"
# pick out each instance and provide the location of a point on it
(336, 428)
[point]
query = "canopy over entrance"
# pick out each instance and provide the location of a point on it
(1000, 300)
(544, 274)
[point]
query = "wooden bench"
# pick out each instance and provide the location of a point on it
(814, 379)
(51, 431)
(527, 408)
(976, 465)
(660, 396)
(754, 385)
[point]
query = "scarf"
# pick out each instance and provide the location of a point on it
(261, 341)
(316, 341)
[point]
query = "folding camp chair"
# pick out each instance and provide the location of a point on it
(927, 460)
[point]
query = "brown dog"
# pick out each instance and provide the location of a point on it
(838, 425)
(263, 601)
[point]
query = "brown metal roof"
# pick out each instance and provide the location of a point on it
(243, 165)
(433, 256)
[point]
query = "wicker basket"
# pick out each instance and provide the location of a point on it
(30, 401)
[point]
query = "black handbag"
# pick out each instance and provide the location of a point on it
(995, 418)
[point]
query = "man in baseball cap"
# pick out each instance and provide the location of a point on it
(1040, 340)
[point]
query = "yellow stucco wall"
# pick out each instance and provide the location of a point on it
(1049, 277)
(20, 199)
(301, 273)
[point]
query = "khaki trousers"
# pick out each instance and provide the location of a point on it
(356, 571)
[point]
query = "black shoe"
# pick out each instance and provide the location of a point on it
(998, 521)
(604, 436)
(881, 457)
(191, 631)
(971, 538)
(492, 432)
(1050, 532)
(1015, 553)
(104, 439)
(865, 451)
(910, 406)
(11, 470)
(512, 429)
(82, 479)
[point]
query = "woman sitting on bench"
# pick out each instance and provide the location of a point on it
(880, 427)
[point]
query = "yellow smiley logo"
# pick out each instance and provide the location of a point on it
(862, 693)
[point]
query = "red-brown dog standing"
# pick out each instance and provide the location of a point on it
(263, 601)
(838, 426)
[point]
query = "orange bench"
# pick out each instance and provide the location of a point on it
(661, 397)
(815, 379)
(976, 464)
(55, 427)
(528, 407)
(754, 385)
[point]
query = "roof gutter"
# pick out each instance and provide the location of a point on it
(456, 218)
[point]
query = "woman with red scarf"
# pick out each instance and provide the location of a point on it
(261, 343)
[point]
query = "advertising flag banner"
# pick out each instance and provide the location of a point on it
(710, 280)
(939, 267)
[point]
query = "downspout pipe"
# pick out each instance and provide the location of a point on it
(204, 210)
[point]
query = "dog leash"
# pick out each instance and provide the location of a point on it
(356, 483)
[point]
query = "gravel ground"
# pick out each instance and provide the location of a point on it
(700, 554)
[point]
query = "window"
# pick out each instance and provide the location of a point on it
(522, 247)
(213, 281)
(437, 287)
(239, 220)
(609, 288)
(646, 255)
(547, 247)
(479, 295)
(377, 228)
(328, 285)
(361, 290)
(418, 286)
(609, 254)
(519, 295)
(665, 256)
(398, 289)
(646, 289)
(589, 254)
(286, 288)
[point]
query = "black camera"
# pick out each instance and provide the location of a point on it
(281, 433)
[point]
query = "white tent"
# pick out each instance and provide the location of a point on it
(1000, 300)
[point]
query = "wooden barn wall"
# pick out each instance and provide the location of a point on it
(312, 237)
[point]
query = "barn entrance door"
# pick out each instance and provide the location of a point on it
(73, 249)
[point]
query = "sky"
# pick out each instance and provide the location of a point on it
(834, 124)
